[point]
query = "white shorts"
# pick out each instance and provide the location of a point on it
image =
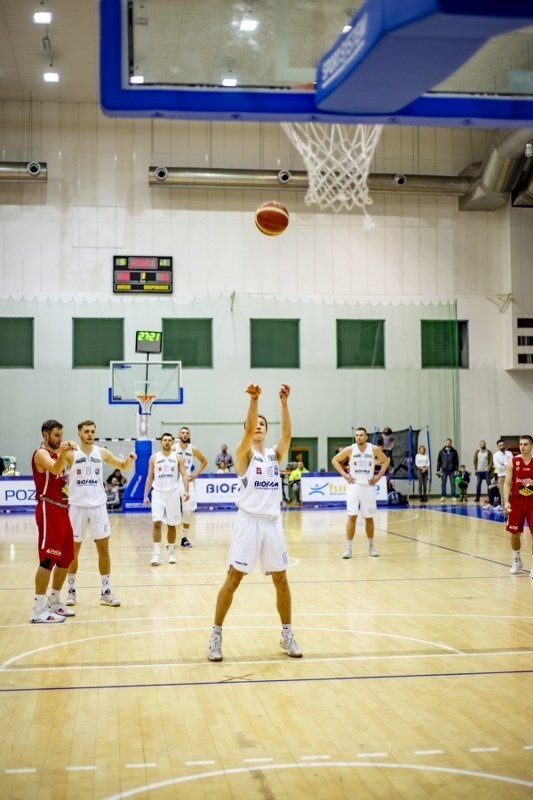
(188, 507)
(360, 500)
(95, 517)
(166, 506)
(257, 538)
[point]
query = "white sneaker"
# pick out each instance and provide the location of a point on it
(46, 615)
(107, 598)
(290, 645)
(156, 560)
(215, 647)
(347, 553)
(516, 567)
(372, 551)
(71, 598)
(443, 500)
(171, 558)
(62, 610)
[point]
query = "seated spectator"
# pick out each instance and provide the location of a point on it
(223, 469)
(295, 480)
(121, 480)
(224, 459)
(113, 493)
(462, 479)
(495, 499)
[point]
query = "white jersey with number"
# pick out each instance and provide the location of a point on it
(260, 486)
(166, 472)
(85, 479)
(188, 457)
(361, 464)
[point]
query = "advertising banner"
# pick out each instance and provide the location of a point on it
(17, 493)
(324, 489)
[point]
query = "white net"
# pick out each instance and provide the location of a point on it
(337, 159)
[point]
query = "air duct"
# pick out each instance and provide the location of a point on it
(23, 172)
(175, 177)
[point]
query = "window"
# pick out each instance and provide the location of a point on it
(97, 341)
(275, 343)
(189, 341)
(360, 343)
(16, 342)
(444, 343)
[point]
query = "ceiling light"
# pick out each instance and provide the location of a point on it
(248, 25)
(51, 77)
(136, 78)
(229, 81)
(42, 17)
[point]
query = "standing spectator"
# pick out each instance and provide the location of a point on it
(56, 539)
(483, 467)
(258, 532)
(447, 466)
(224, 459)
(388, 444)
(422, 466)
(360, 492)
(295, 480)
(501, 458)
(518, 498)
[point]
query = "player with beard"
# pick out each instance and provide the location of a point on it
(190, 453)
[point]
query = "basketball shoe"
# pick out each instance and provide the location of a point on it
(171, 558)
(290, 645)
(62, 610)
(372, 551)
(46, 615)
(215, 647)
(517, 566)
(71, 598)
(156, 560)
(107, 598)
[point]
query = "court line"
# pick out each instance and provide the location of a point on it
(115, 635)
(315, 765)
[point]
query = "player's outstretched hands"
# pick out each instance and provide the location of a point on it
(253, 390)
(67, 445)
(284, 391)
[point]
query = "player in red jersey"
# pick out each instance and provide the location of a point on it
(518, 498)
(56, 540)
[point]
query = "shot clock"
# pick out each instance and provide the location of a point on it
(142, 274)
(148, 341)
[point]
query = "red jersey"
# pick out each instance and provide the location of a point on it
(54, 487)
(521, 472)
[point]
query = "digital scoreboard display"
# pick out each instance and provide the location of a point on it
(142, 274)
(148, 341)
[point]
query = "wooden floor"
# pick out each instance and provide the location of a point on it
(416, 681)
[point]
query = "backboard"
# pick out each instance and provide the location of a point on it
(131, 379)
(422, 62)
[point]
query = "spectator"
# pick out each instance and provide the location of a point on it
(447, 466)
(501, 458)
(223, 469)
(112, 490)
(224, 460)
(483, 467)
(422, 466)
(295, 480)
(462, 479)
(388, 444)
(121, 480)
(2, 466)
(495, 499)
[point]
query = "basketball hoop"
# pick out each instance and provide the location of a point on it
(145, 401)
(337, 159)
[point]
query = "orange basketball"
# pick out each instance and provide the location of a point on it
(271, 218)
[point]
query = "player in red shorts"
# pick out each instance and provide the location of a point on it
(56, 539)
(518, 498)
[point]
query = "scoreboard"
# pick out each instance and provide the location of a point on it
(142, 274)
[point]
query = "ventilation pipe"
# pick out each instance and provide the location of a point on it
(174, 177)
(23, 172)
(500, 173)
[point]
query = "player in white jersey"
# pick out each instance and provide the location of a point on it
(360, 493)
(164, 471)
(258, 533)
(190, 453)
(88, 506)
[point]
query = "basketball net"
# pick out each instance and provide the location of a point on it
(337, 159)
(145, 401)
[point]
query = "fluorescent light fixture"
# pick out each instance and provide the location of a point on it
(248, 25)
(136, 78)
(347, 28)
(229, 81)
(42, 17)
(51, 77)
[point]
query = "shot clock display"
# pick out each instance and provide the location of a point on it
(148, 341)
(142, 274)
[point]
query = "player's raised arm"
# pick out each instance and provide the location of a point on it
(284, 442)
(243, 451)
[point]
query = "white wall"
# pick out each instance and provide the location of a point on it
(57, 241)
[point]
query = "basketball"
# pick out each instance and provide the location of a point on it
(271, 218)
